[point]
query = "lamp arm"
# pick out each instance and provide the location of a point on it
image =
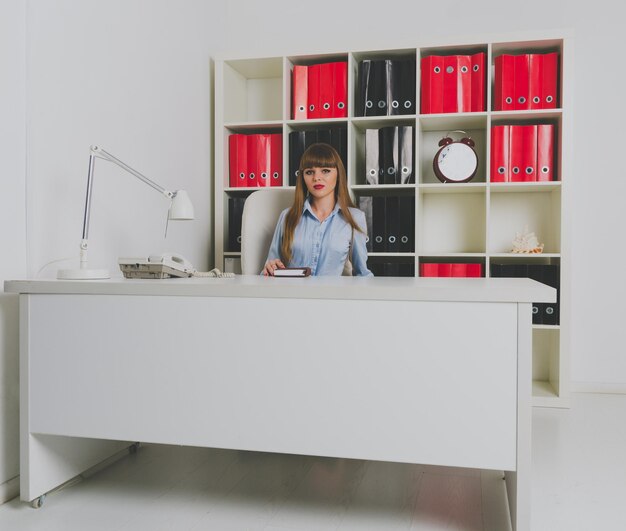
(92, 161)
(98, 152)
(101, 153)
(87, 214)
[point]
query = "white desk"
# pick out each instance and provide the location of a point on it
(431, 371)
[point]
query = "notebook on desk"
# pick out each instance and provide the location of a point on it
(293, 272)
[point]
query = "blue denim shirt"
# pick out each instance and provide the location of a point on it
(323, 246)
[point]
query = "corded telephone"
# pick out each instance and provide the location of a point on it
(164, 266)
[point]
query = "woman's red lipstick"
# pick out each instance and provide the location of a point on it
(318, 186)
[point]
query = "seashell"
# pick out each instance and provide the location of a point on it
(527, 243)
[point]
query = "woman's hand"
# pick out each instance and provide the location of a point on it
(271, 266)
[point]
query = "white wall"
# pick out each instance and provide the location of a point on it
(135, 78)
(12, 228)
(598, 186)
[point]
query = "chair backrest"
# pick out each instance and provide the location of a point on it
(260, 214)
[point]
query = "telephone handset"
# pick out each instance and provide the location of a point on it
(165, 266)
(175, 261)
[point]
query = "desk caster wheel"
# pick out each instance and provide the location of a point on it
(133, 448)
(38, 502)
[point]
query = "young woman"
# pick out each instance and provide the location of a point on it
(322, 229)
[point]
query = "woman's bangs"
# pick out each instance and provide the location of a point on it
(318, 158)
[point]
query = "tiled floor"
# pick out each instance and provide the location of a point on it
(579, 483)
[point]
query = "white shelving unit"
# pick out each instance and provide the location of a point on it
(474, 221)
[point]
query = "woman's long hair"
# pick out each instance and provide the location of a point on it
(316, 156)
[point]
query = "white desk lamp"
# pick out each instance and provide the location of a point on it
(180, 209)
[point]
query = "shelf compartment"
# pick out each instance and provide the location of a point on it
(358, 135)
(248, 129)
(232, 245)
(428, 141)
(399, 264)
(408, 54)
(546, 366)
(510, 214)
(451, 223)
(309, 60)
(458, 258)
(447, 51)
(253, 90)
(531, 47)
(539, 118)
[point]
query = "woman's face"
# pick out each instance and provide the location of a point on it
(320, 182)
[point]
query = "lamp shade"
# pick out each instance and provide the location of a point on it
(181, 207)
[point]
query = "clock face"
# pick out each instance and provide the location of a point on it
(456, 162)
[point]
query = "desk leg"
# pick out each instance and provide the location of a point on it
(518, 482)
(48, 461)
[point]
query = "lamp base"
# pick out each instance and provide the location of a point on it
(82, 274)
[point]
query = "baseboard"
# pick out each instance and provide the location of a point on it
(598, 387)
(9, 489)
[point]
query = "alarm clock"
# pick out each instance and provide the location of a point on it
(456, 161)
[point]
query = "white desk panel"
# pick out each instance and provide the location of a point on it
(380, 380)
